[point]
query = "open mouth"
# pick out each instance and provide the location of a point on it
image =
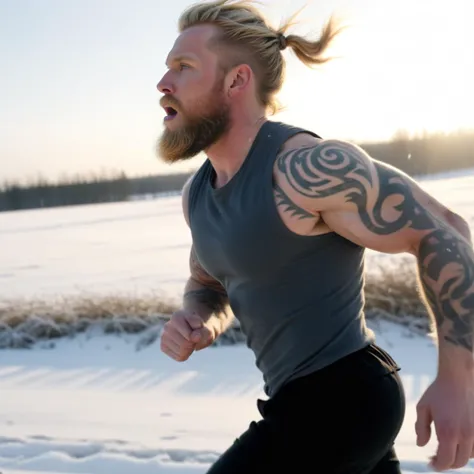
(170, 113)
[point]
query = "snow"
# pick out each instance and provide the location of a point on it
(100, 403)
(134, 247)
(96, 404)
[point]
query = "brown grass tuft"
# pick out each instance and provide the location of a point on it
(394, 290)
(391, 293)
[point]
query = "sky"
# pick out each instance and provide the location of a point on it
(78, 78)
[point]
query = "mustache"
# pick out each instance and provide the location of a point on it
(169, 101)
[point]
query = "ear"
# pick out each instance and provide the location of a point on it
(238, 80)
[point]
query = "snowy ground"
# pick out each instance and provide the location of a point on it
(130, 247)
(97, 404)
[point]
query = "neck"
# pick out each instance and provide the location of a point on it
(228, 154)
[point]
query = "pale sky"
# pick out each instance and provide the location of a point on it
(78, 78)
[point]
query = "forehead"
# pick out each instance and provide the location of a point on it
(193, 43)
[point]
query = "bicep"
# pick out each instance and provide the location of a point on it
(396, 216)
(368, 202)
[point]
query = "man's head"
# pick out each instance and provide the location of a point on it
(226, 64)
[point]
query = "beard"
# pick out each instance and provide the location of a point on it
(199, 131)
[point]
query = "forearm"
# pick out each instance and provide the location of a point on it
(446, 271)
(210, 302)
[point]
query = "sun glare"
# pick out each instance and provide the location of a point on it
(405, 66)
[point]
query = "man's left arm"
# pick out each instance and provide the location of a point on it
(380, 207)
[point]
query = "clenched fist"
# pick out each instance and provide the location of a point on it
(185, 333)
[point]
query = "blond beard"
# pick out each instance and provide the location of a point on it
(194, 137)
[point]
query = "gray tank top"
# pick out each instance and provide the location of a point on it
(299, 299)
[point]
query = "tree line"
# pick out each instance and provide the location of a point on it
(415, 155)
(80, 190)
(427, 153)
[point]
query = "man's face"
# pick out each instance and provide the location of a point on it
(197, 113)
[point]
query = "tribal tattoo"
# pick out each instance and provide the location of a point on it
(446, 269)
(289, 206)
(445, 258)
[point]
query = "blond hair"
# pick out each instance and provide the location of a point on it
(248, 38)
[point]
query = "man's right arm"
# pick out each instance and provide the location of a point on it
(207, 298)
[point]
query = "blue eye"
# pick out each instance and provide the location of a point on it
(183, 66)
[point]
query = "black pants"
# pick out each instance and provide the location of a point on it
(340, 420)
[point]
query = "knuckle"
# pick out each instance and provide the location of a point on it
(166, 351)
(171, 323)
(420, 407)
(167, 326)
(179, 315)
(447, 430)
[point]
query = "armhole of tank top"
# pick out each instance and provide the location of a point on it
(197, 182)
(291, 132)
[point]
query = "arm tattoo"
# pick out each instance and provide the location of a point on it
(449, 292)
(325, 170)
(285, 202)
(445, 259)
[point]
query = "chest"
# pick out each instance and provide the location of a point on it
(242, 234)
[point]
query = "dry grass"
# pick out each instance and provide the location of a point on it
(23, 322)
(391, 293)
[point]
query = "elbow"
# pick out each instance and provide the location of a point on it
(459, 223)
(453, 222)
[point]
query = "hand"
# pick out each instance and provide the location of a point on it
(183, 334)
(449, 403)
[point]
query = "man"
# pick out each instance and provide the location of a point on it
(280, 219)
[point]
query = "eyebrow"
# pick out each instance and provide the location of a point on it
(182, 57)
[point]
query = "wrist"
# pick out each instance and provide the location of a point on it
(455, 362)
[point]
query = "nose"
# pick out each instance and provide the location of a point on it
(164, 85)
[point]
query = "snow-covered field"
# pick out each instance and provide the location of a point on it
(97, 404)
(133, 247)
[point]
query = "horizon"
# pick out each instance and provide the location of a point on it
(81, 82)
(103, 175)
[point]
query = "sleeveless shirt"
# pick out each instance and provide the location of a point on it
(299, 299)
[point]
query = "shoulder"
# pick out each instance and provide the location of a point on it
(305, 149)
(298, 141)
(309, 165)
(304, 145)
